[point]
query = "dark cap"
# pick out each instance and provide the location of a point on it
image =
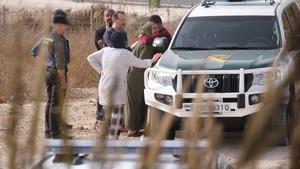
(117, 40)
(59, 16)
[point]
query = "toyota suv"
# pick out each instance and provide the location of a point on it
(229, 48)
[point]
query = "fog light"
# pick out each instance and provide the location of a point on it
(165, 99)
(254, 99)
(168, 99)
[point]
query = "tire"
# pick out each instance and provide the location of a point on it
(280, 122)
(154, 121)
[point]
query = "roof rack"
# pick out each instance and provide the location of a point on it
(272, 2)
(209, 3)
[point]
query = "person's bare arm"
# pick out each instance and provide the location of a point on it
(134, 45)
(141, 63)
(156, 57)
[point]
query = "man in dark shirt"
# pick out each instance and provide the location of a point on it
(107, 23)
(119, 23)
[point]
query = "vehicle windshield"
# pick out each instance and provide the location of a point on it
(228, 32)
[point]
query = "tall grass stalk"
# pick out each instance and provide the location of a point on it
(258, 138)
(153, 152)
(17, 103)
(31, 141)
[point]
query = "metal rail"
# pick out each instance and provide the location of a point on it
(57, 146)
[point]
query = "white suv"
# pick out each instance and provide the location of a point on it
(230, 48)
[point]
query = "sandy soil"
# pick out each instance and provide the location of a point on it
(275, 158)
(81, 113)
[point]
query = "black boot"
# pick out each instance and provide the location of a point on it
(47, 121)
(54, 125)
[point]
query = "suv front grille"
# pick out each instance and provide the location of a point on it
(227, 83)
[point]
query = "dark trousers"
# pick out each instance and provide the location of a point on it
(99, 111)
(54, 107)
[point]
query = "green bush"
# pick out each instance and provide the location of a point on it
(141, 21)
(154, 3)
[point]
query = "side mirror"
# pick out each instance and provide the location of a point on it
(161, 44)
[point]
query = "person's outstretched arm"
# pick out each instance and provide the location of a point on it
(95, 59)
(141, 63)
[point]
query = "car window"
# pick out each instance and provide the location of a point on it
(228, 32)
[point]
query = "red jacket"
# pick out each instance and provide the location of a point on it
(148, 40)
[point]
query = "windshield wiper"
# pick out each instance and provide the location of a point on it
(190, 48)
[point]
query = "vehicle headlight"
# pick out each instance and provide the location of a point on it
(266, 77)
(164, 79)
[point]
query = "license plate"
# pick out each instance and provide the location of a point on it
(217, 107)
(204, 107)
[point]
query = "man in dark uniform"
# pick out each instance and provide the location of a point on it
(57, 54)
(107, 21)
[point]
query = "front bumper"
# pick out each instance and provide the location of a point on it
(180, 110)
(239, 103)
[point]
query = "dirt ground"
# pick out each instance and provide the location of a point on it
(81, 113)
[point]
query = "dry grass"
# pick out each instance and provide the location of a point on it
(20, 79)
(81, 41)
(81, 75)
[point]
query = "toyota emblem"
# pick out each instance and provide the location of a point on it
(211, 83)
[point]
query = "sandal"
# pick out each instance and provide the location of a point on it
(98, 125)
